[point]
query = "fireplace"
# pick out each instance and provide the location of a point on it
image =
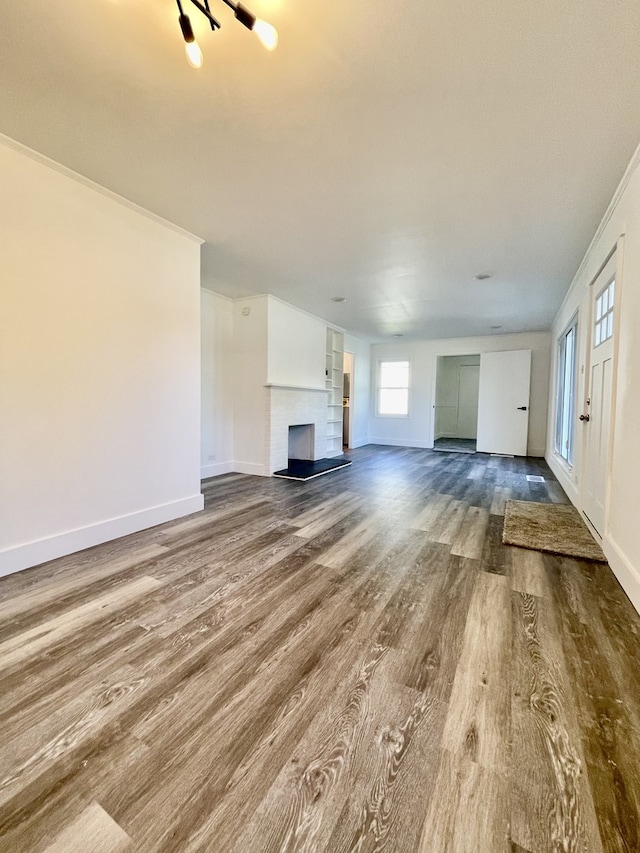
(301, 441)
(304, 409)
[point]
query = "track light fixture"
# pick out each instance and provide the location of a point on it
(267, 34)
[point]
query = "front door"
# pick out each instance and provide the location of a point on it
(503, 402)
(596, 415)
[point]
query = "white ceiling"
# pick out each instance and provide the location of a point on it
(386, 152)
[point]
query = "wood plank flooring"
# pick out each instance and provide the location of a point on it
(355, 663)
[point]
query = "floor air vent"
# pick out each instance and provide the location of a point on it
(534, 478)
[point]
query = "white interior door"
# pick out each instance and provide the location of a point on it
(468, 382)
(596, 416)
(503, 402)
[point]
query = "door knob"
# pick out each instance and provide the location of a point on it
(522, 408)
(585, 418)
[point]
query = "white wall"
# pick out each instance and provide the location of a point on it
(99, 364)
(216, 455)
(250, 399)
(276, 344)
(621, 542)
(416, 430)
(360, 389)
(296, 346)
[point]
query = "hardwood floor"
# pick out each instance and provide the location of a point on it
(355, 663)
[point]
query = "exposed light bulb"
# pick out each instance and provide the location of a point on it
(191, 46)
(194, 54)
(267, 34)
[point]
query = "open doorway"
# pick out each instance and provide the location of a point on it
(456, 403)
(347, 399)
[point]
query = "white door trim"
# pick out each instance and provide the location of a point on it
(618, 251)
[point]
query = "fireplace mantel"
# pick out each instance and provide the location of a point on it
(295, 387)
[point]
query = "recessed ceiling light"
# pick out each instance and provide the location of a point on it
(482, 276)
(338, 298)
(398, 335)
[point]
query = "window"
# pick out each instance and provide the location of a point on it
(603, 325)
(566, 391)
(393, 388)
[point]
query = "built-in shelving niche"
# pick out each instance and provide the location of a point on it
(334, 366)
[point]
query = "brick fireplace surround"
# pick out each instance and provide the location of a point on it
(289, 406)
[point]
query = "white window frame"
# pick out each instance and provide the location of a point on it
(604, 313)
(566, 395)
(381, 361)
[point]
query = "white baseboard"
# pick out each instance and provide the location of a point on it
(399, 442)
(562, 476)
(627, 575)
(359, 442)
(42, 550)
(215, 470)
(250, 468)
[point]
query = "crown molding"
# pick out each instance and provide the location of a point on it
(20, 148)
(611, 209)
(216, 294)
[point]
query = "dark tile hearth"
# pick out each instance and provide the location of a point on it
(308, 469)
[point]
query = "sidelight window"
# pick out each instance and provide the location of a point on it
(565, 410)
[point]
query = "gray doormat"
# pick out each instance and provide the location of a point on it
(557, 528)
